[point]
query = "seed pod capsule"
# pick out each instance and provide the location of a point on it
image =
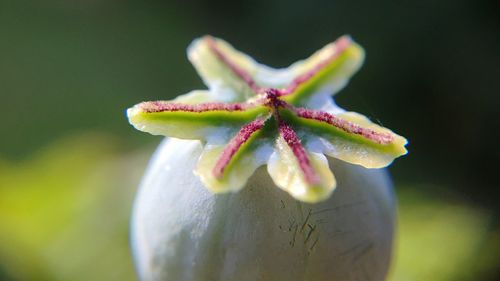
(181, 231)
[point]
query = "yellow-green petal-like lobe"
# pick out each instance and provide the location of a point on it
(284, 169)
(234, 178)
(358, 150)
(223, 69)
(204, 122)
(325, 72)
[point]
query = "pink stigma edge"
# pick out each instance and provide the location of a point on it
(161, 106)
(298, 150)
(340, 46)
(346, 126)
(235, 144)
(238, 71)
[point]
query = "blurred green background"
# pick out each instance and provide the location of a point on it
(70, 163)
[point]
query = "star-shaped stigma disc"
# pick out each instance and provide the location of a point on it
(254, 115)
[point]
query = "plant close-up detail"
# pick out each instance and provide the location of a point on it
(249, 141)
(254, 115)
(207, 209)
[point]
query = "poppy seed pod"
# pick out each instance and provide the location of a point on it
(181, 231)
(243, 188)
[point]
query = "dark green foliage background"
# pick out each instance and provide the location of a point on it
(431, 72)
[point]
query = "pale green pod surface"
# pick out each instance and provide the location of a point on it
(181, 231)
